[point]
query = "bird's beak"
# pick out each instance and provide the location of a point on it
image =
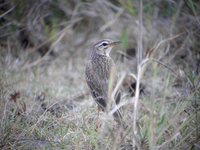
(114, 43)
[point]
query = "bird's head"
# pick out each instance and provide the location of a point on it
(104, 47)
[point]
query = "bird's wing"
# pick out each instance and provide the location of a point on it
(98, 79)
(96, 84)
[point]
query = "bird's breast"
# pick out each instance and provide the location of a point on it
(102, 66)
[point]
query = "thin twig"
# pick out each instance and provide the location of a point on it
(139, 73)
(166, 40)
(118, 85)
(139, 42)
(60, 35)
(121, 104)
(4, 14)
(159, 62)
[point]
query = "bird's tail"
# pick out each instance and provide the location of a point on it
(119, 119)
(117, 115)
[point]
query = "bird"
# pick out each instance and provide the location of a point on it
(101, 77)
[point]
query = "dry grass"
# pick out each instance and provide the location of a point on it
(44, 100)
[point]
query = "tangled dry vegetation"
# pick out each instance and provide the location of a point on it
(44, 100)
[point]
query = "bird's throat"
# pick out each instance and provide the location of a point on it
(107, 53)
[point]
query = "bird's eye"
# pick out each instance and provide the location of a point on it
(104, 44)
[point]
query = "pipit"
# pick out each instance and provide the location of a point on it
(101, 76)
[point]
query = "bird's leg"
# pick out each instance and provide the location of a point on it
(97, 123)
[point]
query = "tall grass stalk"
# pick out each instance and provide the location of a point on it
(138, 77)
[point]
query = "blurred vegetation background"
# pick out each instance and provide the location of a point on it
(44, 45)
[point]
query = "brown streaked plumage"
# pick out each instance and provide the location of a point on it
(98, 74)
